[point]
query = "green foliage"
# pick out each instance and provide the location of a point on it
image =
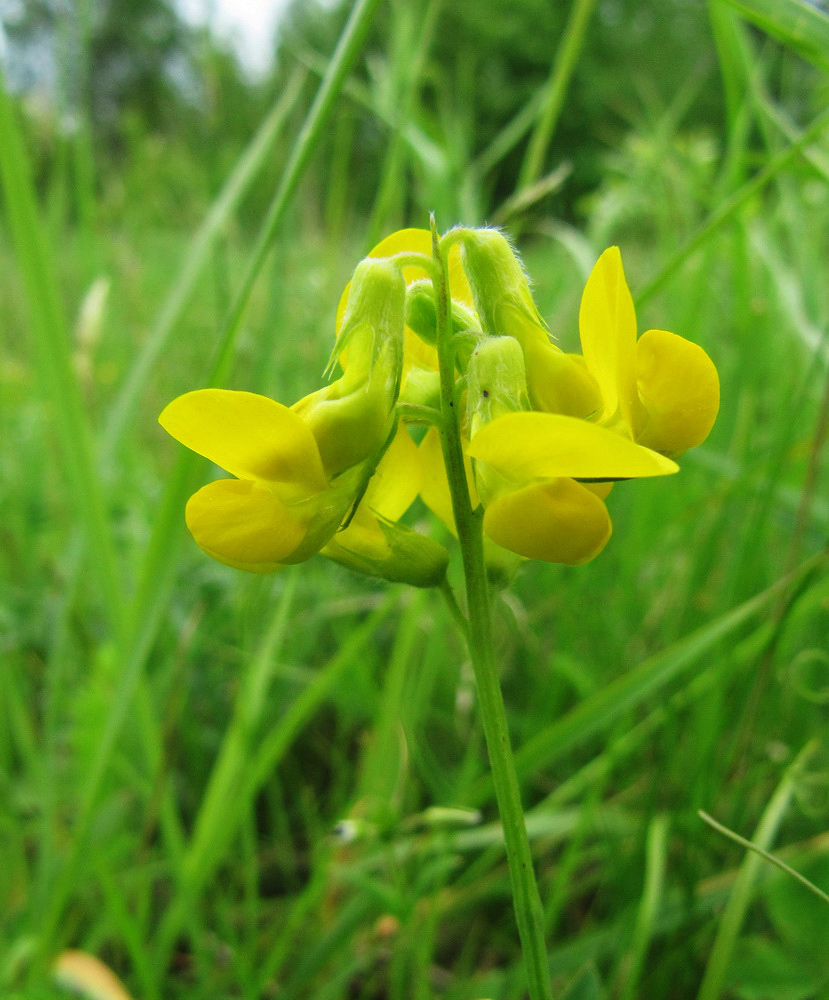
(228, 787)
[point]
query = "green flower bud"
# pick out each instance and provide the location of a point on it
(557, 382)
(496, 381)
(373, 322)
(421, 313)
(499, 285)
(353, 417)
(496, 385)
(389, 550)
(421, 387)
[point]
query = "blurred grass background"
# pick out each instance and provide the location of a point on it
(235, 787)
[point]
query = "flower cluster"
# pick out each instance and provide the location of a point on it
(544, 433)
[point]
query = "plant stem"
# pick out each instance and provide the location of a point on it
(469, 523)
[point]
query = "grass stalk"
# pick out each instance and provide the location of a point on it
(713, 980)
(315, 124)
(766, 855)
(59, 384)
(728, 208)
(555, 91)
(656, 850)
(195, 260)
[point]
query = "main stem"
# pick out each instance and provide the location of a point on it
(469, 523)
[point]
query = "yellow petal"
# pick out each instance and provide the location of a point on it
(396, 481)
(607, 324)
(527, 446)
(601, 489)
(556, 521)
(250, 436)
(85, 974)
(679, 389)
(559, 382)
(434, 486)
(417, 352)
(245, 525)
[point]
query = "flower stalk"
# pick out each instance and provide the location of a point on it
(469, 524)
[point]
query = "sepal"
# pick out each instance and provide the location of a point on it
(378, 547)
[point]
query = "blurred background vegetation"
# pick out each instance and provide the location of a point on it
(234, 787)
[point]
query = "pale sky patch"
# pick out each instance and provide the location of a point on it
(247, 26)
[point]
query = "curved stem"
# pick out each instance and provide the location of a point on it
(469, 523)
(415, 413)
(412, 259)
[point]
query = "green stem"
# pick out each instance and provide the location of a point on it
(469, 523)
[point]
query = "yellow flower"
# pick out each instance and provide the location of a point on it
(282, 508)
(300, 470)
(535, 506)
(661, 389)
(543, 432)
(527, 464)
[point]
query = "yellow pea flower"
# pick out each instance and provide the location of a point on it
(527, 463)
(534, 506)
(662, 390)
(299, 470)
(281, 508)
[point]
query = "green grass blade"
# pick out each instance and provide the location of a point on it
(734, 59)
(196, 258)
(414, 31)
(735, 911)
(60, 387)
(509, 136)
(766, 855)
(215, 829)
(633, 688)
(730, 206)
(800, 26)
(555, 91)
(234, 754)
(315, 124)
(649, 906)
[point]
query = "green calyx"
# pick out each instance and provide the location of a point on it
(421, 313)
(496, 385)
(352, 417)
(497, 279)
(496, 381)
(395, 553)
